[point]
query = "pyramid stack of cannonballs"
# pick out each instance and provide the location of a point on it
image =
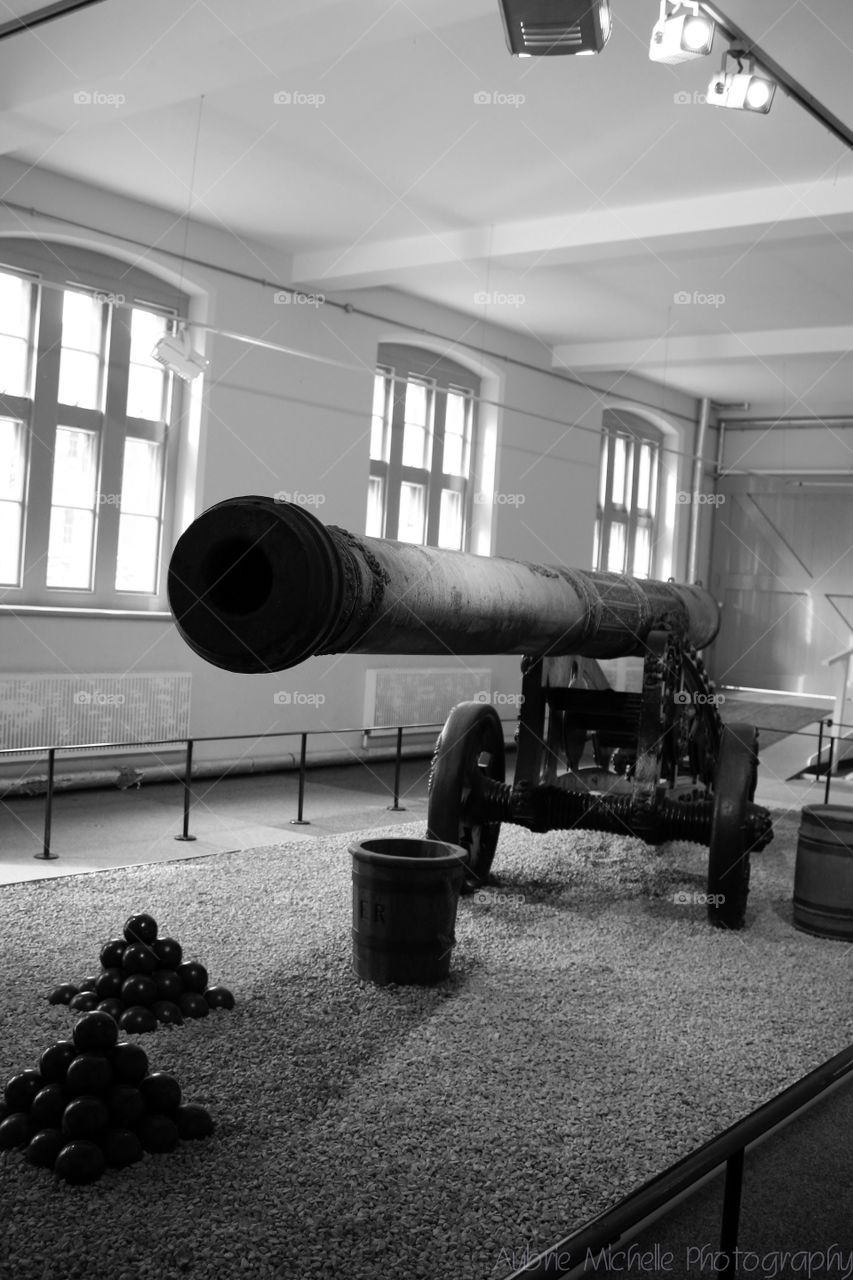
(93, 1104)
(144, 981)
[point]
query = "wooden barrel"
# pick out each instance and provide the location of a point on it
(404, 899)
(823, 881)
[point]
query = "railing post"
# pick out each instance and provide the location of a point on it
(731, 1213)
(46, 855)
(830, 763)
(819, 749)
(396, 807)
(299, 821)
(188, 772)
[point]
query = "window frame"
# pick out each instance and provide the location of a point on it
(402, 365)
(54, 267)
(636, 433)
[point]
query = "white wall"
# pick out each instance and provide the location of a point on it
(274, 422)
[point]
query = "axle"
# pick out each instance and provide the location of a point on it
(551, 808)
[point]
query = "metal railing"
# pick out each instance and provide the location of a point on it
(188, 744)
(616, 1224)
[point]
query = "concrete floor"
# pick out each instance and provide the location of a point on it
(97, 829)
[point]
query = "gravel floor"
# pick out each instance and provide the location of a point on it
(594, 1030)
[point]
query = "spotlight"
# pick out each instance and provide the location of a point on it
(681, 32)
(742, 89)
(549, 27)
(175, 352)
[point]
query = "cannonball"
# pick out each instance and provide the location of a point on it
(219, 998)
(193, 1121)
(63, 994)
(21, 1090)
(97, 1032)
(89, 1073)
(56, 1060)
(80, 1162)
(43, 1148)
(141, 928)
(161, 1092)
(192, 975)
(129, 1063)
(169, 952)
(112, 952)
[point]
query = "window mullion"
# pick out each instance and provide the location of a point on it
(112, 451)
(439, 407)
(395, 456)
(42, 444)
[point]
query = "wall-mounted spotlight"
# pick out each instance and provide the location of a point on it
(683, 31)
(549, 27)
(744, 89)
(175, 352)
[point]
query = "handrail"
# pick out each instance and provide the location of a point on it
(189, 744)
(297, 733)
(609, 1227)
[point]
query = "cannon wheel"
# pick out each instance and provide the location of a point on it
(470, 748)
(728, 861)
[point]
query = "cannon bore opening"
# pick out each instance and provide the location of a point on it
(240, 576)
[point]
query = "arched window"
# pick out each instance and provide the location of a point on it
(422, 446)
(628, 493)
(87, 439)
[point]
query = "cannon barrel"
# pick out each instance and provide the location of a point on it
(259, 585)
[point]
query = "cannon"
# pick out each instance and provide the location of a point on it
(258, 585)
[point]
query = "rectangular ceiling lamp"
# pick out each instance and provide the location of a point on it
(536, 28)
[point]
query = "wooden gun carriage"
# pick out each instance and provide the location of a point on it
(257, 585)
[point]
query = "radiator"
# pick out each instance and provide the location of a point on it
(67, 710)
(419, 695)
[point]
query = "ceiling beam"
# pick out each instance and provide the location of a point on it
(632, 231)
(703, 348)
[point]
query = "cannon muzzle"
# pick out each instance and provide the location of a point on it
(258, 585)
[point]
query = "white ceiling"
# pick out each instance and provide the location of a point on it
(581, 201)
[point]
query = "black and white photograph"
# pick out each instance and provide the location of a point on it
(426, 675)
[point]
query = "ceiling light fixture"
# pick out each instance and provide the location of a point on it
(536, 28)
(682, 32)
(744, 89)
(176, 353)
